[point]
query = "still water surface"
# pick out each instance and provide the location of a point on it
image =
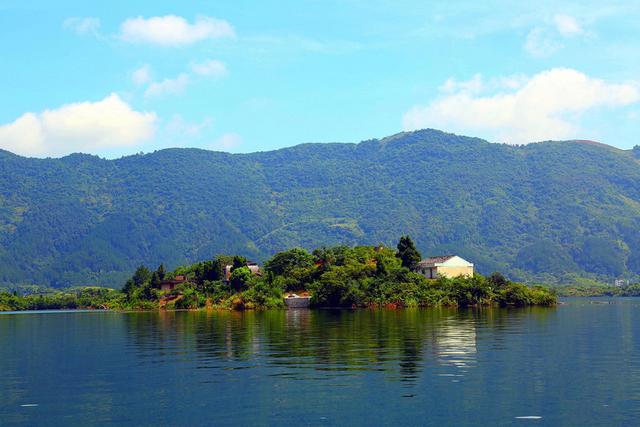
(577, 364)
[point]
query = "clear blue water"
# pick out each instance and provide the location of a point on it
(576, 364)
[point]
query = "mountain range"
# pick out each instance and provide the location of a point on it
(551, 212)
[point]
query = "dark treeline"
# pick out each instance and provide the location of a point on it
(599, 291)
(340, 276)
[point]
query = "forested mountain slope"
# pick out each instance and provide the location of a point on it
(550, 211)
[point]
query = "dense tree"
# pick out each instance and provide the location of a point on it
(360, 276)
(408, 253)
(141, 276)
(240, 278)
(161, 272)
(497, 280)
(155, 280)
(83, 220)
(238, 262)
(324, 257)
(284, 262)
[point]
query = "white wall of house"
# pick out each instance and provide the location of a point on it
(456, 261)
(453, 267)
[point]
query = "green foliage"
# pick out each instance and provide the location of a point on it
(155, 280)
(601, 255)
(240, 278)
(161, 272)
(190, 297)
(497, 280)
(141, 278)
(595, 290)
(284, 262)
(475, 290)
(367, 276)
(84, 297)
(261, 294)
(408, 253)
(545, 256)
(238, 262)
(519, 295)
(341, 276)
(85, 220)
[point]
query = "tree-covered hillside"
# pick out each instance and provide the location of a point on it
(551, 211)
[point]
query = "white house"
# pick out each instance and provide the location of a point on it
(445, 266)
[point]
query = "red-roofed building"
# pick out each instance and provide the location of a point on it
(169, 285)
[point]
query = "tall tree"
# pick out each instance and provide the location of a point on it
(161, 271)
(408, 253)
(141, 276)
(155, 280)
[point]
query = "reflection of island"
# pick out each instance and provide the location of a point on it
(456, 343)
(303, 343)
(297, 319)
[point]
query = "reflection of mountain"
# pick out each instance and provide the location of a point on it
(456, 343)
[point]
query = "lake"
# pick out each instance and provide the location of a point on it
(575, 364)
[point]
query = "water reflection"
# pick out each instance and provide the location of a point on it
(456, 343)
(572, 365)
(301, 344)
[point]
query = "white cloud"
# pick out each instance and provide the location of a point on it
(478, 84)
(567, 25)
(541, 42)
(82, 126)
(172, 30)
(547, 106)
(547, 39)
(179, 127)
(228, 141)
(142, 75)
(474, 85)
(82, 26)
(168, 86)
(177, 85)
(211, 68)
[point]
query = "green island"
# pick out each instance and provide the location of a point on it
(336, 277)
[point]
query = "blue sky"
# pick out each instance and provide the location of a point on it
(121, 77)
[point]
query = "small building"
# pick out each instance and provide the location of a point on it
(297, 301)
(445, 266)
(253, 267)
(169, 285)
(620, 283)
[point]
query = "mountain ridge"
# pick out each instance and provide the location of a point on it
(81, 219)
(380, 141)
